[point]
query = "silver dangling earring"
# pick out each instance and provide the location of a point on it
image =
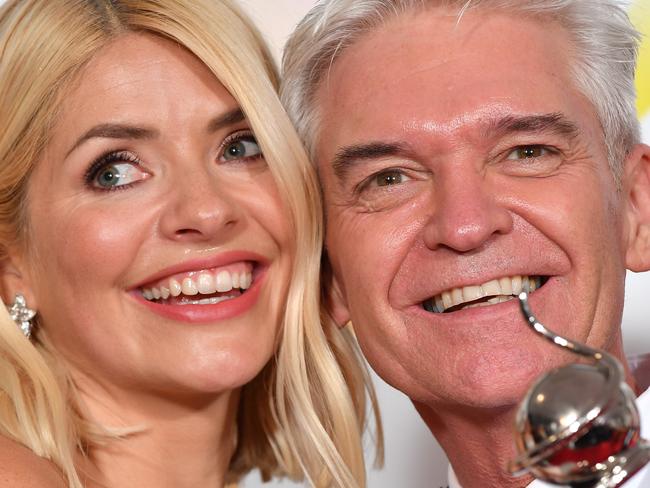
(22, 315)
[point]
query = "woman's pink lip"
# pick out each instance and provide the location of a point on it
(208, 313)
(218, 261)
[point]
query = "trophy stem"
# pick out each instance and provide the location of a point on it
(551, 336)
(578, 424)
(602, 358)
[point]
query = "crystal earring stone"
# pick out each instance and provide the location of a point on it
(22, 315)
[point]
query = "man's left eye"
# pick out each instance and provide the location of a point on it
(243, 147)
(528, 152)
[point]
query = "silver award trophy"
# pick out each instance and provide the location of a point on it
(578, 425)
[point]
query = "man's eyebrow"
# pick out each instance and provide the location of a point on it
(555, 123)
(114, 131)
(346, 157)
(229, 118)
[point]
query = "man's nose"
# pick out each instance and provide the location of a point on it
(467, 212)
(199, 208)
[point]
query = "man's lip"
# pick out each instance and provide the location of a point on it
(489, 313)
(220, 260)
(491, 292)
(475, 281)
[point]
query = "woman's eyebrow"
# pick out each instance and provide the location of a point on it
(227, 119)
(114, 131)
(126, 131)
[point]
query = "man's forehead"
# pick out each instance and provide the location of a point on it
(431, 44)
(431, 72)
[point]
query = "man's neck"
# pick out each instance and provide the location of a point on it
(478, 443)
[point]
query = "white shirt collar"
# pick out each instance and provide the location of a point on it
(643, 403)
(451, 476)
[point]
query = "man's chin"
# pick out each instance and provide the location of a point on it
(497, 386)
(470, 402)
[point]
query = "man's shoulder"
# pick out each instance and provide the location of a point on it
(21, 468)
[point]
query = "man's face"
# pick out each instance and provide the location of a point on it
(457, 158)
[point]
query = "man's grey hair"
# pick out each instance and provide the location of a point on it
(605, 45)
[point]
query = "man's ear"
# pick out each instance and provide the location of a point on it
(14, 280)
(636, 185)
(333, 295)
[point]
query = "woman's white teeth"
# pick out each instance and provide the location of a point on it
(175, 288)
(204, 283)
(189, 287)
(207, 301)
(224, 282)
(498, 291)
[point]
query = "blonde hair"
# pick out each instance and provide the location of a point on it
(305, 412)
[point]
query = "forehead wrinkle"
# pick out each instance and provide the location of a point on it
(475, 117)
(497, 120)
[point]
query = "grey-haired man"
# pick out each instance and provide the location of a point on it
(467, 150)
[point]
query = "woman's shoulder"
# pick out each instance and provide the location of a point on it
(21, 468)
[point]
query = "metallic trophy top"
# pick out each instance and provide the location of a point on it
(578, 425)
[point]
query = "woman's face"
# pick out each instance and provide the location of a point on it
(159, 250)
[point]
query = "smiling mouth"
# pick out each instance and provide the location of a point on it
(205, 287)
(490, 293)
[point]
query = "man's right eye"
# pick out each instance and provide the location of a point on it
(389, 178)
(387, 188)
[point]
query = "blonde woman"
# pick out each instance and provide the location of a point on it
(159, 248)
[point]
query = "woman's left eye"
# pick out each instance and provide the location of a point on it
(529, 152)
(241, 147)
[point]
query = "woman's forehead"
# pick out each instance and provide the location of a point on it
(143, 81)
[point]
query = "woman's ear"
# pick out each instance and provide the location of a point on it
(636, 187)
(333, 295)
(14, 280)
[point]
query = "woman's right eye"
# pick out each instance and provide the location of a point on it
(115, 171)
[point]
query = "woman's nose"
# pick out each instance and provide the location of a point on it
(199, 208)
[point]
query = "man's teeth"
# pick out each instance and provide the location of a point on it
(490, 293)
(204, 283)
